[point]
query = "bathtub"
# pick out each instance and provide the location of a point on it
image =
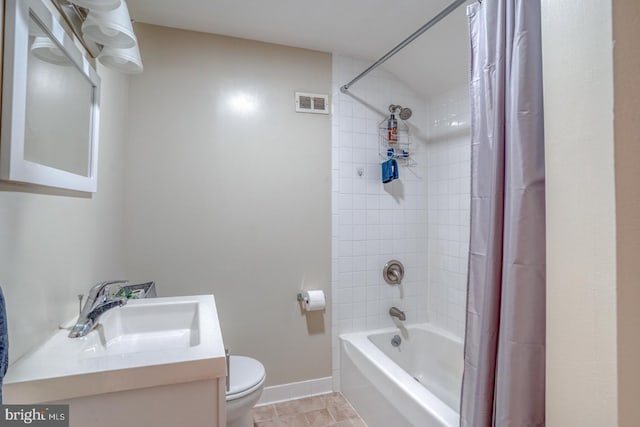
(416, 384)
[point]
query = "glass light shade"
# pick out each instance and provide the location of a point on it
(110, 28)
(101, 5)
(124, 60)
(46, 50)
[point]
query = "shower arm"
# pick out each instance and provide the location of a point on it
(446, 11)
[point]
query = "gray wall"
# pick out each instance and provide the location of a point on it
(228, 189)
(54, 244)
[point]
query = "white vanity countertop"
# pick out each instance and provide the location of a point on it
(151, 342)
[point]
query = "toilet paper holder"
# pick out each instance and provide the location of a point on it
(312, 300)
(300, 297)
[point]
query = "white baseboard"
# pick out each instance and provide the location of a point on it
(282, 392)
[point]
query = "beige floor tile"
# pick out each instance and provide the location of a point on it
(343, 412)
(263, 413)
(319, 418)
(270, 423)
(335, 399)
(327, 410)
(308, 404)
(290, 407)
(298, 420)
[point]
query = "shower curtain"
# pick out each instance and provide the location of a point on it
(504, 376)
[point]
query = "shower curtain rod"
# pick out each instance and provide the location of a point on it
(405, 42)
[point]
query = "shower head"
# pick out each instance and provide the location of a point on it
(404, 113)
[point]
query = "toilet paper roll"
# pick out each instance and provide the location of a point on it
(313, 300)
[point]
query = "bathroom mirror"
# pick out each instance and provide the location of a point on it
(50, 102)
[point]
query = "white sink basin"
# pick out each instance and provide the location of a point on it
(151, 327)
(145, 343)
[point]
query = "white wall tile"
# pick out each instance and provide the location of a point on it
(376, 222)
(448, 186)
(421, 219)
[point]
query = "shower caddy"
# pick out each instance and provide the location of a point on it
(402, 149)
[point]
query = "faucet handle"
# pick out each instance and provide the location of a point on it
(105, 294)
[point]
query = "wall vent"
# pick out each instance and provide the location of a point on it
(312, 103)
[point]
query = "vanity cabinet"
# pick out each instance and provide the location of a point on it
(193, 404)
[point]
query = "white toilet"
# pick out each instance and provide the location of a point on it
(246, 377)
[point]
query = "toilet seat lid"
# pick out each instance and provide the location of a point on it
(246, 375)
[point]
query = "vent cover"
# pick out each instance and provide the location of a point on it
(312, 103)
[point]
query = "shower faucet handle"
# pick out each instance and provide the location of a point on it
(393, 272)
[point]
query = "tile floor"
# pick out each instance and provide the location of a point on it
(326, 410)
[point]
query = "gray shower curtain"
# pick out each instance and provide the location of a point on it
(504, 376)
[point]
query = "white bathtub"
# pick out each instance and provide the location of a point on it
(415, 384)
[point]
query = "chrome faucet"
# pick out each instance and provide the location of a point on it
(98, 301)
(396, 312)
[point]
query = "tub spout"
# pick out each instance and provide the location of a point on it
(396, 312)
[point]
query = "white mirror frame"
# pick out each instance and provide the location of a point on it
(13, 165)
